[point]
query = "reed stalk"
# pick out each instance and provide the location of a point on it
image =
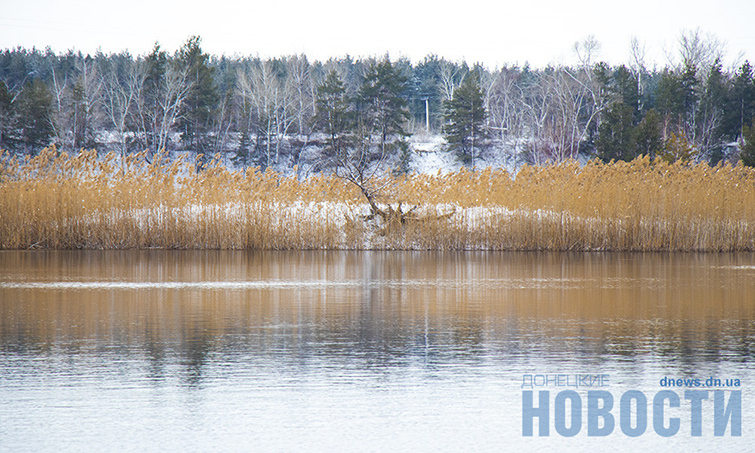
(85, 201)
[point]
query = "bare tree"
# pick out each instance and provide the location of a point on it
(59, 85)
(638, 53)
(700, 55)
(302, 86)
(451, 77)
(569, 106)
(76, 97)
(558, 109)
(176, 89)
(536, 103)
(505, 114)
(587, 50)
(159, 108)
(272, 105)
(120, 95)
(700, 51)
(86, 93)
(299, 81)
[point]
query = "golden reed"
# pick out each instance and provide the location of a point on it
(87, 201)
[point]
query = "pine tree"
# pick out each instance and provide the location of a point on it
(670, 101)
(677, 148)
(152, 109)
(334, 115)
(6, 114)
(711, 111)
(465, 117)
(382, 103)
(202, 97)
(242, 158)
(615, 140)
(626, 88)
(740, 102)
(428, 102)
(647, 136)
(35, 114)
(747, 153)
(690, 91)
(80, 118)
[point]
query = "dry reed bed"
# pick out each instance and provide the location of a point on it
(85, 201)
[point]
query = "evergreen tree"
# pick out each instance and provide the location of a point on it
(81, 118)
(202, 97)
(382, 102)
(670, 101)
(334, 117)
(242, 158)
(152, 109)
(711, 110)
(626, 87)
(465, 117)
(6, 115)
(35, 114)
(615, 134)
(747, 154)
(243, 123)
(690, 91)
(647, 136)
(16, 65)
(677, 147)
(740, 102)
(428, 102)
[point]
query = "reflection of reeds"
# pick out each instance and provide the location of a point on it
(602, 302)
(86, 201)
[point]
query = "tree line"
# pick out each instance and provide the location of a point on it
(358, 113)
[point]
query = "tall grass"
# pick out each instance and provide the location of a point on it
(87, 201)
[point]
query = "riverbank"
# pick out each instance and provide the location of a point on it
(94, 202)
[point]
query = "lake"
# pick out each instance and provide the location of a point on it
(374, 351)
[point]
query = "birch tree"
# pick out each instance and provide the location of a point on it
(84, 104)
(299, 81)
(504, 105)
(59, 88)
(271, 106)
(160, 100)
(451, 77)
(121, 89)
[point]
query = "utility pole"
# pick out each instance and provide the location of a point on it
(427, 114)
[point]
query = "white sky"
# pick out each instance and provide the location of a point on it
(488, 31)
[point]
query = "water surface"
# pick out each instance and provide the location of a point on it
(355, 351)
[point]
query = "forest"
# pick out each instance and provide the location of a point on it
(187, 150)
(347, 113)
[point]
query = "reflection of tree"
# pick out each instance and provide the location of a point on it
(155, 350)
(397, 309)
(196, 346)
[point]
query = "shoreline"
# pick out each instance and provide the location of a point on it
(59, 202)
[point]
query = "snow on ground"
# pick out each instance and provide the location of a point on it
(335, 214)
(429, 155)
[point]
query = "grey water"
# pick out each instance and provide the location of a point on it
(362, 351)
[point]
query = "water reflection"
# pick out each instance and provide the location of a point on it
(382, 309)
(279, 330)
